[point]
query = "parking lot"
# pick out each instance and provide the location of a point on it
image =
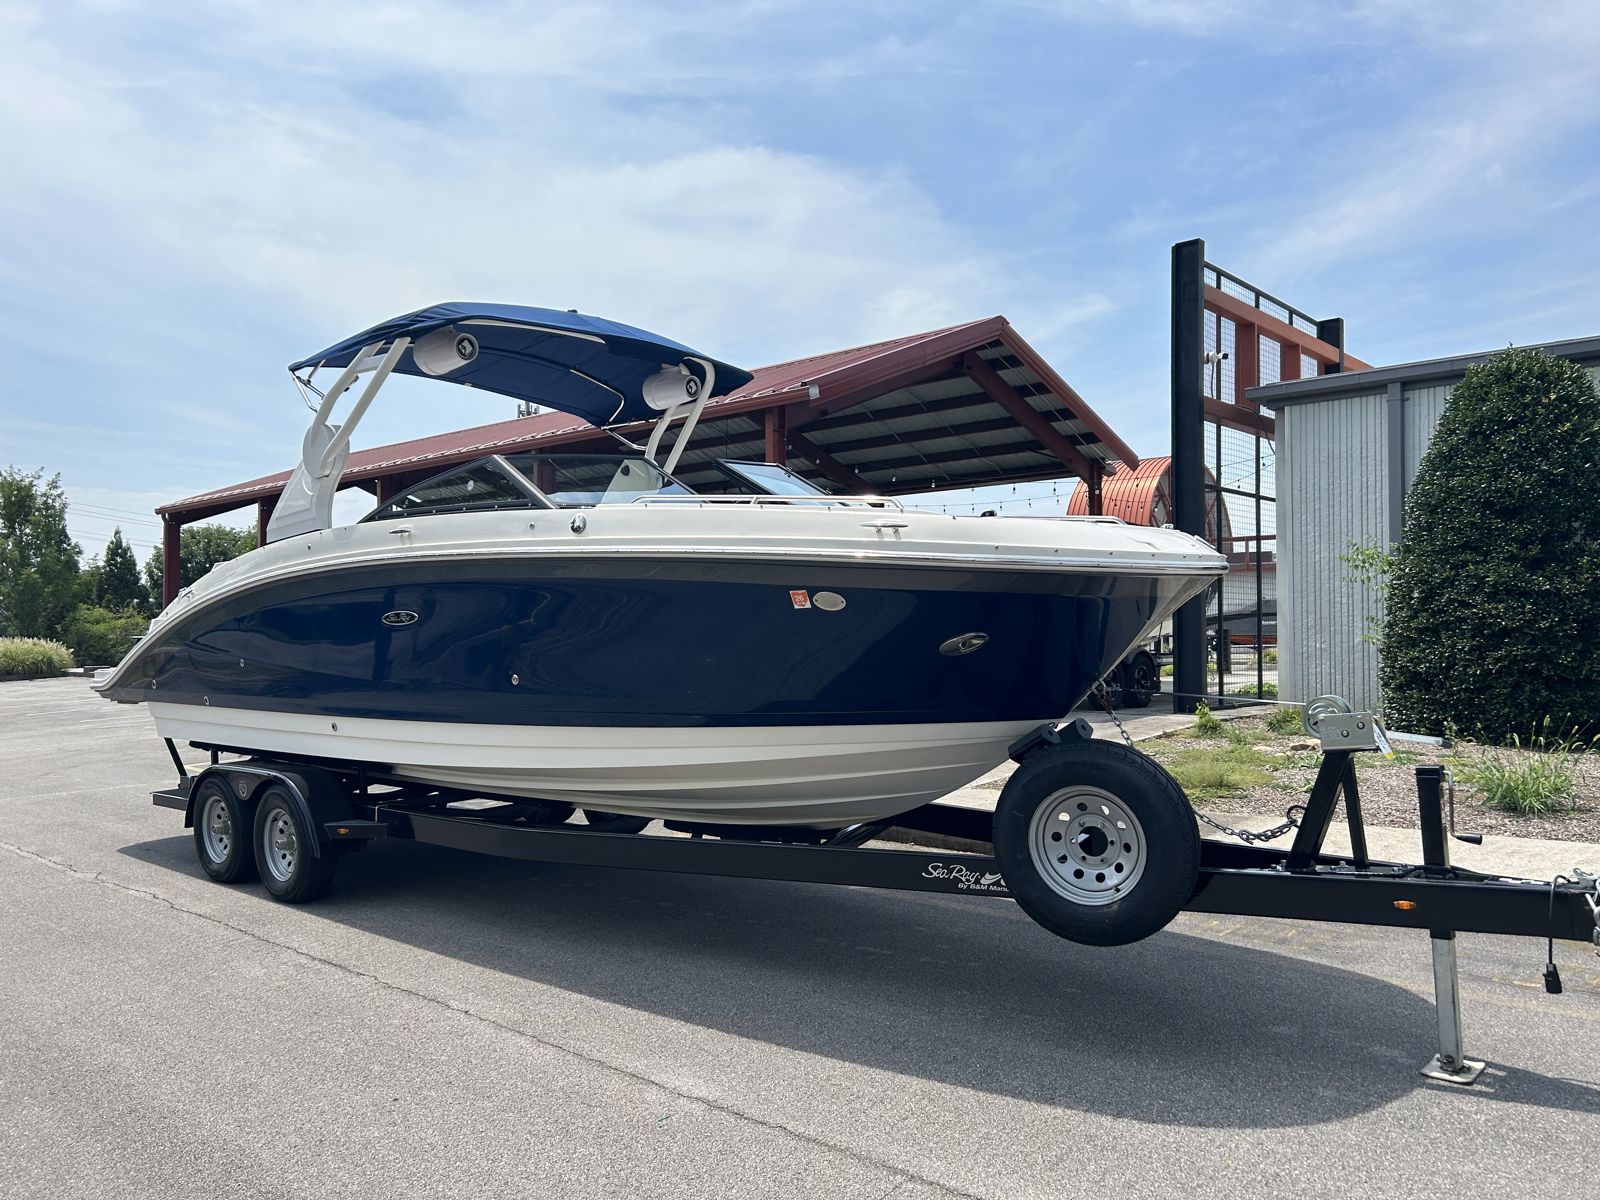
(444, 1024)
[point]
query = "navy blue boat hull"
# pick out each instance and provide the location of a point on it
(653, 642)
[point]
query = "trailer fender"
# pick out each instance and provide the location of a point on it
(318, 797)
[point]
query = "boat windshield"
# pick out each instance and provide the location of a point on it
(485, 484)
(533, 481)
(585, 480)
(768, 479)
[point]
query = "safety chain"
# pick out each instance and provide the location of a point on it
(1105, 702)
(1290, 821)
(1248, 836)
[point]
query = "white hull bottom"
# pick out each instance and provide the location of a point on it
(819, 775)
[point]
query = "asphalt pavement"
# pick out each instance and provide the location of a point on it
(444, 1024)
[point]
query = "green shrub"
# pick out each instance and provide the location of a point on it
(1493, 615)
(1267, 691)
(100, 636)
(1270, 656)
(1166, 671)
(1204, 723)
(1530, 782)
(33, 656)
(1285, 719)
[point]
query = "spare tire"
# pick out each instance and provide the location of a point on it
(1097, 842)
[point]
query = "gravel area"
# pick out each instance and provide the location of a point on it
(1388, 786)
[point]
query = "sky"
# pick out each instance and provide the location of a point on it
(192, 197)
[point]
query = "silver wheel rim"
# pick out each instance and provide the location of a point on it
(280, 844)
(1087, 845)
(216, 829)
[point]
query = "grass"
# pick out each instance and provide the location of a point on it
(1529, 782)
(1212, 772)
(1212, 760)
(33, 656)
(1400, 758)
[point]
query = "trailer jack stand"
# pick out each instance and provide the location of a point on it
(1450, 1065)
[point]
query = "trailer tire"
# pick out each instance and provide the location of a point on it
(610, 822)
(1096, 842)
(285, 850)
(222, 832)
(1140, 680)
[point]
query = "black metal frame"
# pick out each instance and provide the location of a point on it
(1191, 465)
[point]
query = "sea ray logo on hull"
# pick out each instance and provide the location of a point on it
(400, 617)
(965, 879)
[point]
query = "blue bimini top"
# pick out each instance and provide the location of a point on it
(587, 366)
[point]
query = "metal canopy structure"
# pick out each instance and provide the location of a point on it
(964, 406)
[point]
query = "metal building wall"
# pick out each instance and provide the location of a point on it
(1345, 463)
(1331, 473)
(1423, 406)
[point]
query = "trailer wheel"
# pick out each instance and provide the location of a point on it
(222, 833)
(1140, 680)
(610, 822)
(286, 857)
(1097, 842)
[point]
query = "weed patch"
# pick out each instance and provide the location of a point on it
(1205, 724)
(1285, 720)
(1529, 782)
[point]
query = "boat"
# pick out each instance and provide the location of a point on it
(586, 631)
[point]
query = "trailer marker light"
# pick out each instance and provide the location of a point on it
(1405, 905)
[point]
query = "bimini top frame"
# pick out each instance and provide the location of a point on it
(605, 372)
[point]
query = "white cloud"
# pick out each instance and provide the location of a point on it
(195, 198)
(1305, 26)
(1465, 160)
(318, 202)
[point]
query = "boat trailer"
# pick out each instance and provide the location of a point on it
(342, 808)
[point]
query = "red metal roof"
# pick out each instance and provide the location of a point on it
(838, 377)
(1142, 496)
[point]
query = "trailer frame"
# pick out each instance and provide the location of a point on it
(1299, 882)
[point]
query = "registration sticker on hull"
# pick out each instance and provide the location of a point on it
(800, 598)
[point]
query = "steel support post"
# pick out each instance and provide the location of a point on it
(1188, 459)
(264, 510)
(171, 557)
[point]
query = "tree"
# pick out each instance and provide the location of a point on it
(1493, 607)
(200, 547)
(89, 580)
(119, 587)
(38, 558)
